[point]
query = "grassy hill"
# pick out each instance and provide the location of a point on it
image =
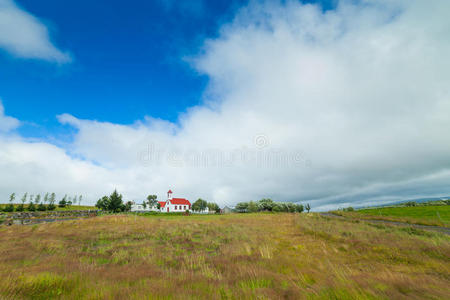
(437, 215)
(238, 256)
(67, 208)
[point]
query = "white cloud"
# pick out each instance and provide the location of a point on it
(23, 35)
(7, 123)
(348, 106)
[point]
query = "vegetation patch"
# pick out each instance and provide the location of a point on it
(434, 215)
(236, 256)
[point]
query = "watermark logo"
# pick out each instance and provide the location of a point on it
(261, 141)
(261, 155)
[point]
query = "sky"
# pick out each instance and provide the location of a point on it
(332, 103)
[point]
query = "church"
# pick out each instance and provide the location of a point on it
(174, 204)
(170, 205)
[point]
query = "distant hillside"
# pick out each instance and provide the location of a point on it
(417, 200)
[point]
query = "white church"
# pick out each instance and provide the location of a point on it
(170, 205)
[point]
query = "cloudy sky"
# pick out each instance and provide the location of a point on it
(334, 103)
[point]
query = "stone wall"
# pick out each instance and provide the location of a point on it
(30, 217)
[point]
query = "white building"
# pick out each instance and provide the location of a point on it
(140, 207)
(174, 204)
(170, 205)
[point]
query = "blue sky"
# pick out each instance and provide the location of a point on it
(334, 103)
(128, 61)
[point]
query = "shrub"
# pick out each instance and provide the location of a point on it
(127, 206)
(213, 207)
(199, 205)
(266, 204)
(41, 207)
(63, 202)
(299, 208)
(8, 208)
(276, 208)
(31, 207)
(20, 207)
(252, 207)
(242, 207)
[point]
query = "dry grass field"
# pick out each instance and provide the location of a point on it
(241, 256)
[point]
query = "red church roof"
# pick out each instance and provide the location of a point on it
(181, 201)
(162, 203)
(169, 192)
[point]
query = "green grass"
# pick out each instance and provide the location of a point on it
(73, 207)
(236, 256)
(427, 215)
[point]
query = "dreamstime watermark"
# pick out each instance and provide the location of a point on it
(261, 155)
(261, 141)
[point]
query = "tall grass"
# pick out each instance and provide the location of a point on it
(264, 256)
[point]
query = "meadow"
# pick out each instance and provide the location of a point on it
(236, 256)
(436, 215)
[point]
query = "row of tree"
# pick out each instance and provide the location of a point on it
(201, 205)
(270, 205)
(38, 203)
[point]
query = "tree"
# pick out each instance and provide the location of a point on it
(308, 207)
(103, 203)
(276, 207)
(79, 199)
(41, 207)
(52, 200)
(199, 205)
(152, 200)
(63, 201)
(242, 207)
(31, 206)
(213, 207)
(21, 207)
(115, 202)
(24, 198)
(284, 207)
(252, 207)
(144, 204)
(127, 206)
(10, 206)
(291, 207)
(46, 198)
(37, 200)
(299, 208)
(266, 204)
